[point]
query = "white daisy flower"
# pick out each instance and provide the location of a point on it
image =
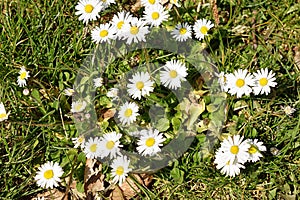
(120, 169)
(88, 10)
(98, 82)
(49, 175)
(182, 32)
(149, 3)
(263, 81)
(239, 83)
(235, 149)
(78, 141)
(229, 168)
(128, 113)
(136, 31)
(92, 148)
(150, 142)
(255, 149)
(103, 33)
(174, 72)
(3, 113)
(112, 93)
(23, 76)
(288, 110)
(110, 144)
(222, 80)
(69, 91)
(140, 85)
(106, 3)
(78, 106)
(201, 27)
(155, 15)
(120, 21)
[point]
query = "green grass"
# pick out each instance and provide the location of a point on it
(47, 38)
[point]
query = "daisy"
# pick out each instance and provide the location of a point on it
(120, 169)
(88, 10)
(23, 76)
(26, 91)
(255, 149)
(140, 85)
(49, 175)
(135, 31)
(110, 144)
(182, 32)
(222, 80)
(3, 113)
(78, 141)
(150, 142)
(69, 91)
(120, 21)
(174, 73)
(149, 3)
(112, 93)
(103, 33)
(239, 83)
(201, 27)
(78, 106)
(263, 81)
(155, 15)
(92, 148)
(106, 3)
(228, 168)
(98, 82)
(288, 110)
(235, 149)
(128, 113)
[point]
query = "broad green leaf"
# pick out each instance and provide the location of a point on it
(163, 124)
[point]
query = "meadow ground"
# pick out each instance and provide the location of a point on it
(47, 38)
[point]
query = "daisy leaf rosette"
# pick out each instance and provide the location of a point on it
(140, 89)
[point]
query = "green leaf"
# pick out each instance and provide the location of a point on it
(195, 111)
(177, 175)
(80, 187)
(163, 124)
(176, 123)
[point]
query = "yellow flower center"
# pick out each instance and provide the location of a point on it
(151, 2)
(120, 170)
(155, 15)
(93, 147)
(134, 30)
(78, 106)
(80, 139)
(224, 79)
(182, 31)
(120, 24)
(240, 82)
(2, 115)
(150, 142)
(139, 85)
(263, 81)
(103, 33)
(128, 112)
(204, 30)
(173, 74)
(23, 75)
(110, 145)
(252, 149)
(234, 149)
(88, 8)
(48, 174)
